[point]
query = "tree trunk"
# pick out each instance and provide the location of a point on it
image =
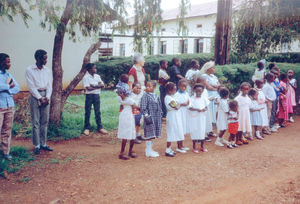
(223, 32)
(57, 71)
(79, 76)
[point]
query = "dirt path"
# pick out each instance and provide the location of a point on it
(87, 170)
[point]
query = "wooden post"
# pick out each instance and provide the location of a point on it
(223, 32)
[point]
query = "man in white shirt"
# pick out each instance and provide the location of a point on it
(39, 81)
(92, 83)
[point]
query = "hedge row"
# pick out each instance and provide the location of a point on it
(231, 75)
(111, 69)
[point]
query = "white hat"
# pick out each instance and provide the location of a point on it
(207, 66)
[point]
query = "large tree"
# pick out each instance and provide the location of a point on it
(147, 20)
(88, 16)
(75, 17)
(223, 32)
(260, 26)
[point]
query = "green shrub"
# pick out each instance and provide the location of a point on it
(110, 70)
(285, 57)
(233, 75)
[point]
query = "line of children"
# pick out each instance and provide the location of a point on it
(253, 108)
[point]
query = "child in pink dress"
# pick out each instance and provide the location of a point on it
(293, 85)
(285, 104)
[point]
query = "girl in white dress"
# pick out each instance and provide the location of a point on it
(183, 99)
(244, 103)
(192, 75)
(259, 73)
(197, 114)
(255, 115)
(261, 99)
(126, 129)
(222, 117)
(175, 131)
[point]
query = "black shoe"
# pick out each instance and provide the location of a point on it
(46, 148)
(7, 157)
(137, 141)
(36, 150)
(139, 138)
(207, 139)
(169, 154)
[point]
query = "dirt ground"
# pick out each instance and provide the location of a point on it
(87, 170)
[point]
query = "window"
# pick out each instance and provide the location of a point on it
(122, 50)
(151, 51)
(163, 47)
(183, 46)
(163, 29)
(284, 47)
(199, 45)
(199, 26)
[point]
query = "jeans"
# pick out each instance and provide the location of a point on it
(163, 94)
(273, 113)
(92, 99)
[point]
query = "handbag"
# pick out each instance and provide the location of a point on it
(148, 119)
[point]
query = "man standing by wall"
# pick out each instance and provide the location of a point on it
(92, 84)
(39, 81)
(8, 87)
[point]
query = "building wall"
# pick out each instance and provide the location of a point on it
(20, 43)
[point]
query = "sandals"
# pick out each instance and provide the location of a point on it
(123, 157)
(132, 154)
(203, 149)
(196, 151)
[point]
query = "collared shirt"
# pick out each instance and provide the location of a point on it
(89, 80)
(6, 93)
(39, 79)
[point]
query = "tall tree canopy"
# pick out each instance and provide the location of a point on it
(262, 25)
(147, 20)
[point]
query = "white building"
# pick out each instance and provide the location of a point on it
(201, 25)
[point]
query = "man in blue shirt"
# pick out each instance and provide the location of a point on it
(8, 87)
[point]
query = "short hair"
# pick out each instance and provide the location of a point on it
(182, 81)
(260, 65)
(252, 92)
(39, 54)
(194, 62)
(198, 85)
(161, 62)
(135, 84)
(124, 78)
(3, 57)
(170, 86)
(269, 76)
(283, 76)
(245, 84)
(275, 68)
(153, 83)
(175, 60)
(271, 65)
(89, 66)
(137, 57)
(232, 104)
(258, 81)
(224, 92)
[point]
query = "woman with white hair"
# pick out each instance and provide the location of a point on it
(208, 72)
(137, 72)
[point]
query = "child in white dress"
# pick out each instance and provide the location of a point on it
(259, 73)
(197, 114)
(233, 123)
(126, 129)
(222, 116)
(244, 103)
(192, 75)
(175, 131)
(261, 99)
(255, 115)
(183, 99)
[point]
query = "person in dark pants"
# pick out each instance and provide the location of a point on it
(174, 71)
(92, 83)
(163, 78)
(39, 81)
